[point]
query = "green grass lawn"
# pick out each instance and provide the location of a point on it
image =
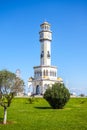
(40, 116)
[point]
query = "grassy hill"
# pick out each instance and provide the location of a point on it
(40, 116)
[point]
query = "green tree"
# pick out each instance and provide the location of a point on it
(9, 86)
(57, 95)
(82, 95)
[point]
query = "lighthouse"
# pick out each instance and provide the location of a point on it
(45, 42)
(45, 74)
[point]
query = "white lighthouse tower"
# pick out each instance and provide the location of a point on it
(45, 74)
(45, 41)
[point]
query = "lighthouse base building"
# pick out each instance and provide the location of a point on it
(44, 75)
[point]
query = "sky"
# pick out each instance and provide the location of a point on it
(19, 38)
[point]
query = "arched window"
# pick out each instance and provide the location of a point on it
(42, 54)
(55, 74)
(46, 72)
(48, 54)
(45, 27)
(50, 73)
(40, 73)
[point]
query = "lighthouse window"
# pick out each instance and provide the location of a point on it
(48, 54)
(41, 35)
(45, 27)
(42, 54)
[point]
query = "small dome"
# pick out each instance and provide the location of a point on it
(60, 79)
(45, 23)
(30, 79)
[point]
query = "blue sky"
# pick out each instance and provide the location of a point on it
(19, 38)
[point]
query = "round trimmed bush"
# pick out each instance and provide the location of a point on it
(57, 95)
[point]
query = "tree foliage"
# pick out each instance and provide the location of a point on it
(9, 86)
(57, 95)
(82, 95)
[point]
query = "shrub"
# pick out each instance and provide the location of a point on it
(31, 100)
(57, 95)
